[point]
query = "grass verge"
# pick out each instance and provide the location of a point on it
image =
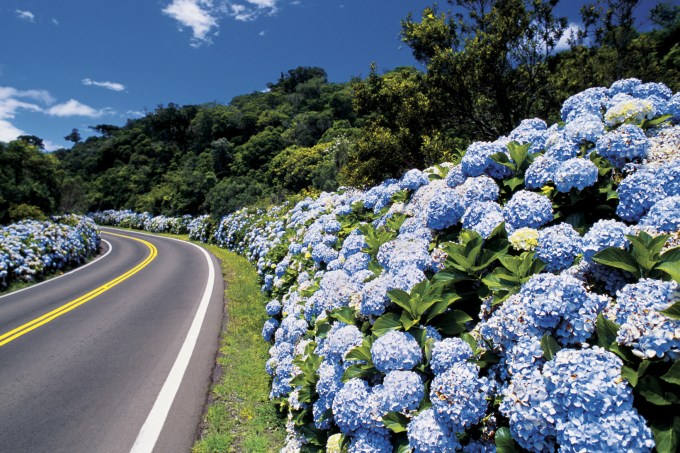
(240, 417)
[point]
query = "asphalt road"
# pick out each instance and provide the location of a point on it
(87, 380)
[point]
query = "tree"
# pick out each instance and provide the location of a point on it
(74, 136)
(32, 140)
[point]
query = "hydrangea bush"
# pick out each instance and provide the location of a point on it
(31, 249)
(526, 297)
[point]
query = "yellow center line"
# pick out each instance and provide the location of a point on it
(49, 316)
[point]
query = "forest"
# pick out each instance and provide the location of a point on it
(479, 74)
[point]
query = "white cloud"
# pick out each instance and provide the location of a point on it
(13, 100)
(113, 86)
(563, 43)
(26, 16)
(9, 132)
(249, 10)
(74, 108)
(262, 33)
(199, 15)
(55, 21)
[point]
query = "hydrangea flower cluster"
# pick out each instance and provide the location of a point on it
(328, 264)
(30, 249)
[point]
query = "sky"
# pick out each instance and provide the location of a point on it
(78, 63)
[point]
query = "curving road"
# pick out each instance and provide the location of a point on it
(94, 361)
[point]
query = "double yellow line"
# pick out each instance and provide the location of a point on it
(50, 316)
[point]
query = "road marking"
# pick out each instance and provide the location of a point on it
(151, 429)
(79, 268)
(52, 315)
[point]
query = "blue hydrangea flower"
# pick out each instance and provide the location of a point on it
(526, 403)
(356, 263)
(399, 253)
(584, 128)
(558, 246)
(322, 413)
(396, 351)
(321, 253)
(604, 234)
(291, 329)
(524, 356)
(444, 209)
(620, 431)
(330, 380)
(448, 352)
(532, 131)
(624, 86)
(478, 188)
(341, 341)
(269, 328)
(669, 177)
(664, 216)
(563, 149)
(541, 171)
(586, 382)
(674, 107)
(643, 328)
(575, 173)
(374, 298)
(371, 441)
(527, 209)
(401, 391)
(455, 177)
(626, 143)
(273, 308)
(413, 179)
(415, 228)
(427, 435)
(638, 193)
(354, 243)
(483, 217)
(589, 101)
(350, 411)
(477, 158)
(647, 90)
(459, 396)
(547, 303)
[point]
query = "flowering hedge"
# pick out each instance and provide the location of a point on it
(525, 297)
(31, 249)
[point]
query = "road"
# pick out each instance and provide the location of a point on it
(87, 376)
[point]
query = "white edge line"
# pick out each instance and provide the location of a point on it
(50, 280)
(151, 429)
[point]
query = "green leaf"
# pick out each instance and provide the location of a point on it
(504, 441)
(673, 375)
(395, 422)
(673, 311)
(386, 323)
(667, 436)
(345, 315)
(606, 331)
(620, 259)
(550, 346)
(470, 340)
(630, 375)
(401, 298)
(358, 371)
(670, 263)
(360, 353)
(650, 388)
(452, 322)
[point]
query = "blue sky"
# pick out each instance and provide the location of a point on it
(77, 63)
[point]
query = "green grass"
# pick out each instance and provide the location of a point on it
(240, 417)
